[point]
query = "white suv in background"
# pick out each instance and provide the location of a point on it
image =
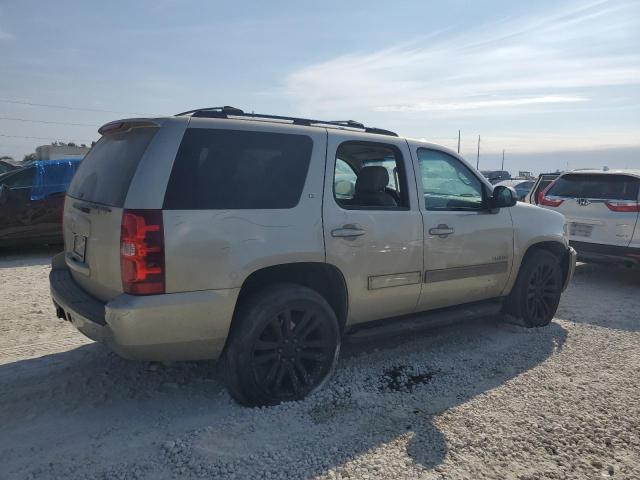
(602, 209)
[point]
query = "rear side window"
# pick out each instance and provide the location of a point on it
(106, 172)
(605, 187)
(238, 169)
(369, 175)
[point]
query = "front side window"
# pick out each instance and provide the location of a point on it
(238, 169)
(447, 183)
(369, 175)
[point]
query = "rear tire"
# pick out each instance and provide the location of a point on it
(284, 346)
(536, 293)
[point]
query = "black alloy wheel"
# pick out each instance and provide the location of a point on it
(542, 291)
(283, 346)
(535, 296)
(292, 354)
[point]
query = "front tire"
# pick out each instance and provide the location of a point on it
(536, 293)
(284, 346)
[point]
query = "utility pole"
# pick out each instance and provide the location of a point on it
(458, 142)
(478, 157)
(502, 168)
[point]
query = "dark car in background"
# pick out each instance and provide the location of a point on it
(495, 176)
(521, 186)
(32, 200)
(6, 167)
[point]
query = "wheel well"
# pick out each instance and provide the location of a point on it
(557, 249)
(324, 278)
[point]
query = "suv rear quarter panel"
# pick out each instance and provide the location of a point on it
(149, 183)
(219, 249)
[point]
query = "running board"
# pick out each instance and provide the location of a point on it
(418, 322)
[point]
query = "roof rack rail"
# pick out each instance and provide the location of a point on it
(233, 112)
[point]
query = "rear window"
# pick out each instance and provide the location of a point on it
(106, 172)
(606, 187)
(235, 169)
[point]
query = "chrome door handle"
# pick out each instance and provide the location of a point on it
(442, 230)
(347, 231)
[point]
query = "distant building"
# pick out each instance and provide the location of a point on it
(60, 152)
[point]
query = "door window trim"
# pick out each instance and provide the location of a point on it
(402, 177)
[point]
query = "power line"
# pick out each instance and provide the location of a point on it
(14, 119)
(67, 107)
(35, 138)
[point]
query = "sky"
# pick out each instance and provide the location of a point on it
(554, 84)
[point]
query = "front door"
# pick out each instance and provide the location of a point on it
(372, 224)
(468, 249)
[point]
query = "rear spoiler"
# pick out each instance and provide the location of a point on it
(121, 126)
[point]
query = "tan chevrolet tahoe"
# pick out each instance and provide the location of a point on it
(263, 240)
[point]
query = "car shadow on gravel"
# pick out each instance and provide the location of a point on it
(159, 420)
(27, 256)
(604, 295)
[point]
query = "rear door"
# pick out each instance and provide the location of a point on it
(372, 225)
(599, 207)
(96, 199)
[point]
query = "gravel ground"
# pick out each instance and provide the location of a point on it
(483, 399)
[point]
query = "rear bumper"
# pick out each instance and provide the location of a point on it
(597, 252)
(176, 326)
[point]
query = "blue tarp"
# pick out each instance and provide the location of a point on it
(53, 176)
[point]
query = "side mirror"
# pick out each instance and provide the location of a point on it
(503, 197)
(4, 194)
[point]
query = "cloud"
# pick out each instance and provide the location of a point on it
(473, 105)
(547, 141)
(513, 63)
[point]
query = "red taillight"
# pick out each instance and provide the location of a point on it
(142, 252)
(616, 206)
(549, 202)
